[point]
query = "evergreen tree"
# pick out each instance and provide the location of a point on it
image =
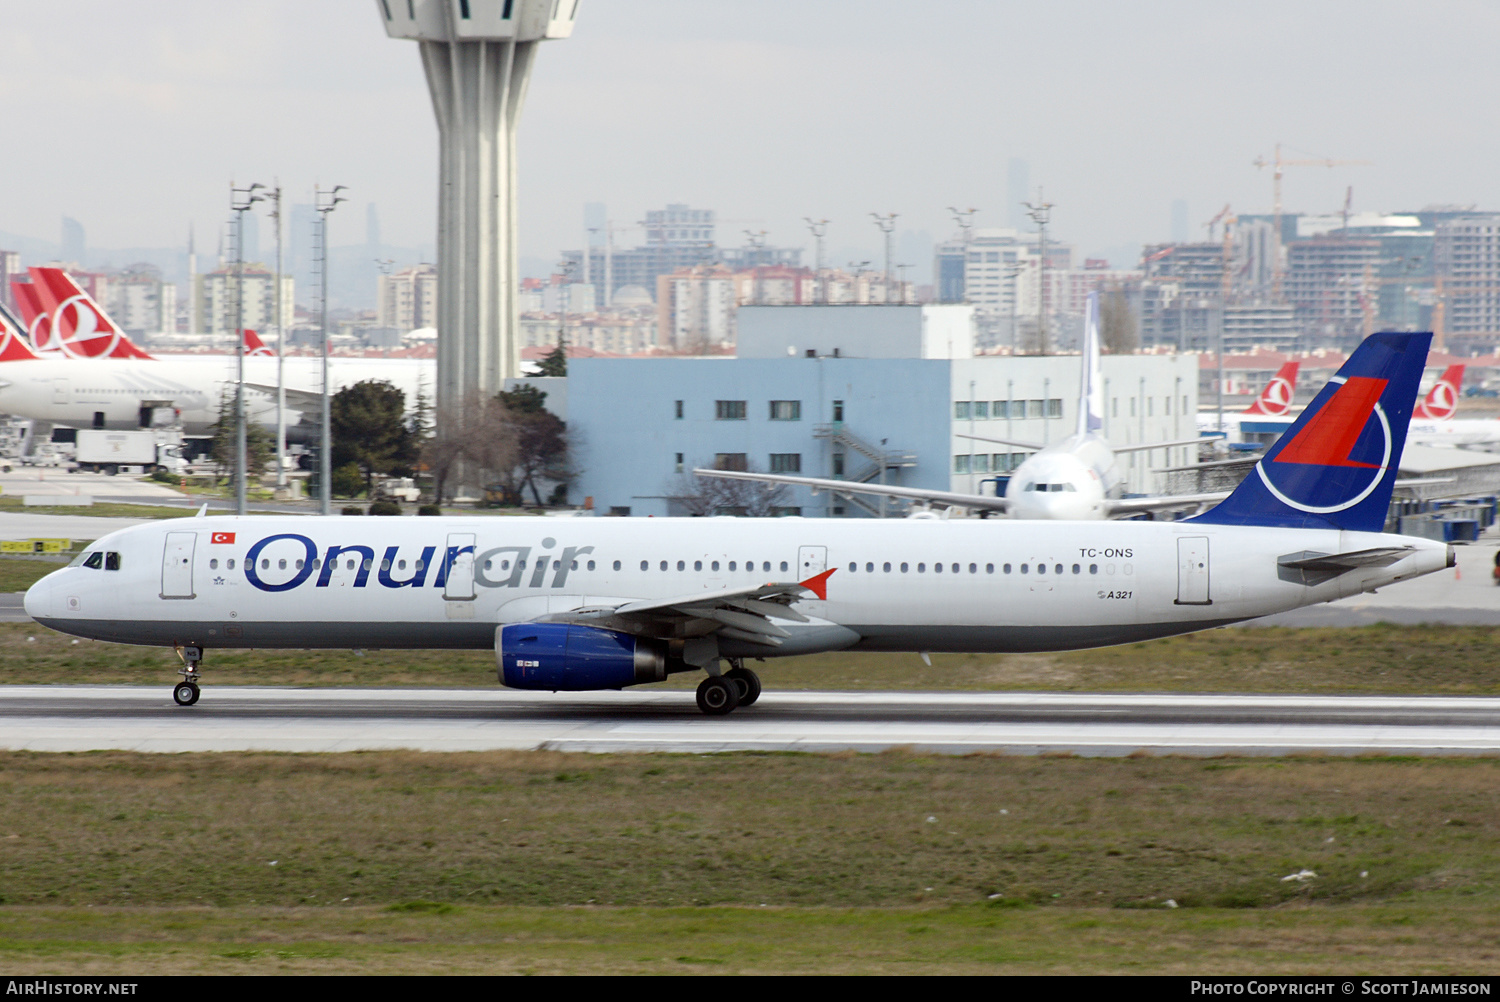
(368, 427)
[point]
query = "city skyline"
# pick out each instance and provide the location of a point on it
(133, 122)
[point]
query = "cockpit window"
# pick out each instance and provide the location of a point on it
(94, 560)
(111, 561)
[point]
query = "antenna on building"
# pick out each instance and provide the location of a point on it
(965, 220)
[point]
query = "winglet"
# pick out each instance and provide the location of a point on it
(818, 583)
(203, 511)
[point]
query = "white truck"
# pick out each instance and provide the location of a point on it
(109, 451)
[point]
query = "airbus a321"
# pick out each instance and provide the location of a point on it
(585, 604)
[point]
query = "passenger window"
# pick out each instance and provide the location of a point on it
(663, 565)
(870, 568)
(853, 567)
(213, 564)
(887, 567)
(714, 566)
(645, 565)
(230, 564)
(1093, 568)
(937, 568)
(617, 565)
(1040, 568)
(1025, 568)
(903, 568)
(783, 566)
(265, 563)
(955, 568)
(1058, 569)
(365, 564)
(1007, 568)
(299, 564)
(316, 563)
(921, 568)
(401, 565)
(697, 565)
(973, 568)
(731, 565)
(281, 564)
(1077, 569)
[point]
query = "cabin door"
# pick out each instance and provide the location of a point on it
(460, 584)
(177, 565)
(1192, 571)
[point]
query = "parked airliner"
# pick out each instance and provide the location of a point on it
(606, 603)
(1076, 478)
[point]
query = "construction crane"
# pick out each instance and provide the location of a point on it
(1280, 164)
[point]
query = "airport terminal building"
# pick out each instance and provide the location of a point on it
(871, 394)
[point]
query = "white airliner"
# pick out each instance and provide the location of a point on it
(1076, 478)
(606, 603)
(94, 376)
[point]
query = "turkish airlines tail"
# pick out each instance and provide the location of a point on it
(34, 317)
(254, 345)
(13, 346)
(1441, 402)
(78, 326)
(1276, 399)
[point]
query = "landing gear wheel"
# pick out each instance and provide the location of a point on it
(718, 695)
(747, 682)
(186, 693)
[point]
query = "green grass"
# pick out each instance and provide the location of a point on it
(542, 861)
(99, 509)
(1409, 660)
(20, 574)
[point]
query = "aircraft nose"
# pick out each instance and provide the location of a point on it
(38, 601)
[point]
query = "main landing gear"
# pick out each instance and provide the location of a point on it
(186, 692)
(721, 694)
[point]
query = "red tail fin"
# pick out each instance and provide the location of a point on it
(13, 347)
(79, 327)
(33, 314)
(254, 345)
(1276, 399)
(1441, 402)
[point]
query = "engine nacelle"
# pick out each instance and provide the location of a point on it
(560, 656)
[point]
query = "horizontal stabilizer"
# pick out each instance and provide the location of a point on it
(1014, 442)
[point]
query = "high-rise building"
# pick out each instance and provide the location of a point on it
(10, 267)
(1466, 257)
(73, 245)
(407, 299)
(140, 302)
(214, 293)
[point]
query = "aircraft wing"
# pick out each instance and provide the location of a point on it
(1156, 445)
(300, 400)
(946, 498)
(1164, 502)
(1017, 443)
(735, 613)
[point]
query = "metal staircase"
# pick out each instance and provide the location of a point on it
(878, 460)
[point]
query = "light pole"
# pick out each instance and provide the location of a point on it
(566, 267)
(1040, 213)
(887, 225)
(240, 200)
(818, 228)
(274, 197)
(323, 203)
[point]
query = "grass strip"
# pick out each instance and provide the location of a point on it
(1379, 659)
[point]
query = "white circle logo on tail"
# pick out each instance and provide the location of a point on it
(1325, 468)
(76, 325)
(41, 332)
(1277, 398)
(1442, 402)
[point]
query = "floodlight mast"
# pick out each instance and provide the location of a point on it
(478, 57)
(240, 200)
(324, 203)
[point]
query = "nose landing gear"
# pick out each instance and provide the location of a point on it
(186, 692)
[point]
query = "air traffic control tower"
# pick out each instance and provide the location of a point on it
(477, 55)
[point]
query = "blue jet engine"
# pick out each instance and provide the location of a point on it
(559, 656)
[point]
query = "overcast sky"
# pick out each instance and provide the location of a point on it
(133, 117)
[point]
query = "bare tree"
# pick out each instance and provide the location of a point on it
(702, 496)
(1117, 333)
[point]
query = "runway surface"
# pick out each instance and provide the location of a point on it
(231, 718)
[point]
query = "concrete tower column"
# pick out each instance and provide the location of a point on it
(477, 55)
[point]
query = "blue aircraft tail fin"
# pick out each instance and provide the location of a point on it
(1334, 468)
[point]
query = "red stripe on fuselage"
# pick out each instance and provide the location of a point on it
(1329, 437)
